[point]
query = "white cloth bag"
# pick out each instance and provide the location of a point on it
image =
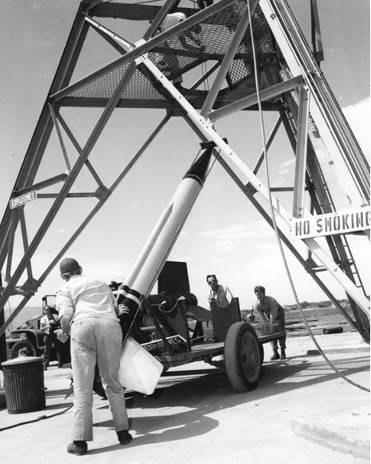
(139, 370)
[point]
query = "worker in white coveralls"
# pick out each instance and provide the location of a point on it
(87, 311)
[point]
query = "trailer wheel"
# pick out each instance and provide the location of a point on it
(242, 356)
(261, 349)
(24, 347)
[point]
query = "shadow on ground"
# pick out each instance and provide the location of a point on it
(213, 392)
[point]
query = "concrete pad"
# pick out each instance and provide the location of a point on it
(331, 343)
(347, 432)
(198, 417)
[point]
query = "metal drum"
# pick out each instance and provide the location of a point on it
(24, 384)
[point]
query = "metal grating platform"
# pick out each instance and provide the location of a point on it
(139, 86)
(207, 41)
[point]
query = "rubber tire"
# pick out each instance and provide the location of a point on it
(261, 348)
(31, 350)
(242, 356)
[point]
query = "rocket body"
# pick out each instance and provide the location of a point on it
(158, 246)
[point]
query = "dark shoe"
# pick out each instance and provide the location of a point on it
(283, 354)
(77, 447)
(124, 437)
(275, 355)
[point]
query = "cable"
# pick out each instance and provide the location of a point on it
(262, 129)
(37, 419)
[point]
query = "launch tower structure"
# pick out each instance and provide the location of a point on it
(146, 74)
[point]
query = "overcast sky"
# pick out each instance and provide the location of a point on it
(224, 234)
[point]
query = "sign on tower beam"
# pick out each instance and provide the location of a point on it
(16, 202)
(338, 222)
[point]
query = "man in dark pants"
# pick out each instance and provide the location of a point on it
(269, 309)
(49, 323)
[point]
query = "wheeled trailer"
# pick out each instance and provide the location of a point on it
(239, 349)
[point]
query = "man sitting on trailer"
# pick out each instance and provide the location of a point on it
(219, 295)
(270, 310)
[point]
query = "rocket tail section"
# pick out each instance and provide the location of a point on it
(129, 302)
(199, 169)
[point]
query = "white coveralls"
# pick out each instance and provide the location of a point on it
(96, 337)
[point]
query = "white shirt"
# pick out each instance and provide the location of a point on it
(223, 296)
(268, 308)
(44, 324)
(84, 297)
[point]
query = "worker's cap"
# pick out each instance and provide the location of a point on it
(69, 266)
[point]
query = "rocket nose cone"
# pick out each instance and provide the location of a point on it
(198, 170)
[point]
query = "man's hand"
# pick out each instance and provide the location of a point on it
(213, 303)
(65, 324)
(122, 309)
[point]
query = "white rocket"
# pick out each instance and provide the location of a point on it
(155, 252)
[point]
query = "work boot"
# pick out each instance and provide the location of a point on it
(283, 354)
(79, 447)
(124, 437)
(275, 355)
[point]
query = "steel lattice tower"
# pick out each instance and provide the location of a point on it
(145, 75)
